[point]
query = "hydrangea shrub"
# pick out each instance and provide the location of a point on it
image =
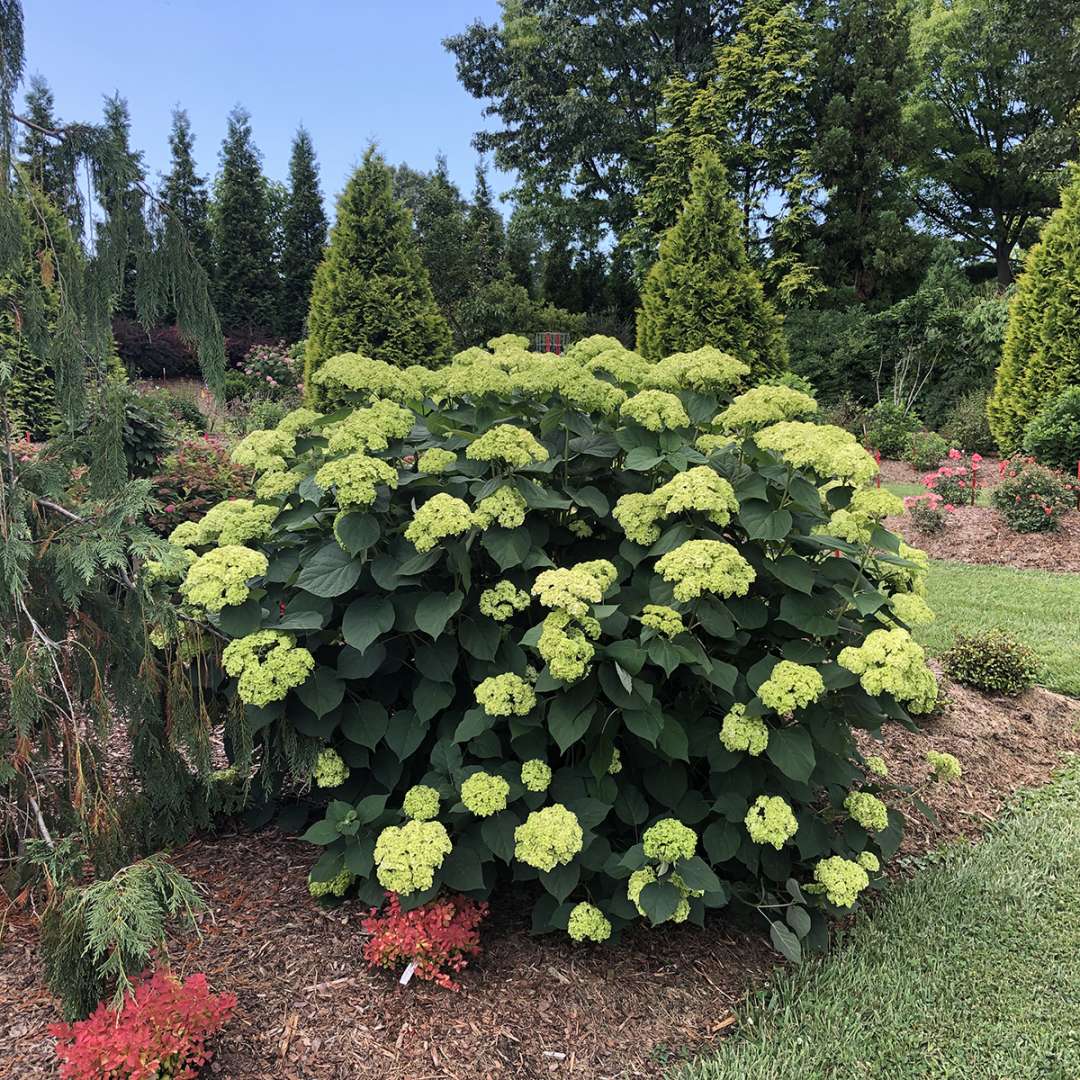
(585, 622)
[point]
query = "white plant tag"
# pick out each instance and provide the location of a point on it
(407, 974)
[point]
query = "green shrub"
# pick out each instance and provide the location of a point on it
(794, 381)
(991, 660)
(1031, 497)
(534, 618)
(889, 428)
(180, 406)
(836, 349)
(966, 426)
(1053, 437)
(926, 450)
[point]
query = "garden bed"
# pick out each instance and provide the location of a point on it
(532, 1007)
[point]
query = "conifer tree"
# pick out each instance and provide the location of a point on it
(45, 157)
(184, 190)
(371, 293)
(702, 290)
(246, 283)
(304, 235)
(1041, 357)
(487, 238)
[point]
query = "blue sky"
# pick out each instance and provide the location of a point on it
(350, 72)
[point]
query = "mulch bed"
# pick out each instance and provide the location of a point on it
(532, 1007)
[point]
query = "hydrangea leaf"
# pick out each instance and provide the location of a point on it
(366, 619)
(792, 752)
(356, 532)
(435, 610)
(329, 571)
(322, 692)
(364, 723)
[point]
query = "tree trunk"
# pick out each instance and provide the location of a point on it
(1002, 250)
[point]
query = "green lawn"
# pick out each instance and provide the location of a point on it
(1040, 608)
(982, 496)
(969, 972)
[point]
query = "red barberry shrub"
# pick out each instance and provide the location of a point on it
(438, 937)
(159, 1031)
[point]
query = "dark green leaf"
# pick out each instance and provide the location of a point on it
(365, 620)
(329, 571)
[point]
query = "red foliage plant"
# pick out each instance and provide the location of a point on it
(197, 476)
(159, 1031)
(438, 937)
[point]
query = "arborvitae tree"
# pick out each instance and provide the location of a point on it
(861, 143)
(44, 157)
(304, 235)
(372, 294)
(702, 290)
(487, 233)
(1041, 356)
(245, 278)
(184, 190)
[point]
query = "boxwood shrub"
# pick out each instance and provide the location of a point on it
(586, 622)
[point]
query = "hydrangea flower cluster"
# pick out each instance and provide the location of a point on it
(370, 378)
(502, 600)
(664, 620)
(436, 460)
(535, 775)
(868, 810)
(615, 766)
(484, 794)
(877, 766)
(842, 879)
(220, 578)
(265, 451)
(646, 876)
(354, 478)
(905, 579)
(946, 766)
(272, 485)
(371, 428)
(622, 365)
(655, 410)
(506, 695)
(705, 566)
(330, 770)
(299, 421)
(791, 686)
(699, 489)
(421, 803)
(764, 405)
(868, 861)
(511, 445)
(770, 821)
(669, 840)
(267, 664)
(868, 507)
(891, 662)
(235, 521)
(548, 838)
(742, 732)
(831, 452)
(441, 516)
(705, 371)
(911, 609)
(565, 644)
(407, 856)
(336, 886)
(588, 923)
(505, 507)
(573, 589)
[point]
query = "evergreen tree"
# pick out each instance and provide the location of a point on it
(487, 237)
(45, 157)
(523, 246)
(702, 289)
(1041, 356)
(861, 144)
(304, 229)
(184, 190)
(371, 293)
(245, 278)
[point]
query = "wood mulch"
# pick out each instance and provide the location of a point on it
(531, 1007)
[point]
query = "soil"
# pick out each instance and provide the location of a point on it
(530, 1007)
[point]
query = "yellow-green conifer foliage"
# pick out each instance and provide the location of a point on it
(1042, 343)
(371, 293)
(703, 290)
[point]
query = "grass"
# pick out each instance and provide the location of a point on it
(1038, 607)
(982, 496)
(969, 972)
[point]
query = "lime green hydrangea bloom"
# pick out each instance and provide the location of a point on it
(502, 600)
(664, 620)
(791, 686)
(272, 485)
(330, 770)
(742, 732)
(771, 821)
(512, 445)
(472, 381)
(505, 507)
(911, 609)
(336, 886)
(699, 489)
(298, 421)
(573, 589)
(354, 478)
(646, 876)
(855, 522)
(441, 516)
(535, 775)
(616, 763)
(946, 767)
(421, 803)
(265, 450)
(891, 662)
(185, 535)
(548, 838)
(868, 861)
(705, 566)
(705, 371)
(371, 428)
(906, 579)
(669, 840)
(877, 766)
(581, 529)
(588, 923)
(436, 460)
(564, 645)
(655, 410)
(638, 515)
(236, 521)
(506, 695)
(173, 565)
(831, 452)
(220, 578)
(407, 856)
(485, 794)
(367, 378)
(584, 392)
(764, 405)
(709, 444)
(842, 880)
(868, 810)
(507, 342)
(585, 349)
(622, 365)
(267, 664)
